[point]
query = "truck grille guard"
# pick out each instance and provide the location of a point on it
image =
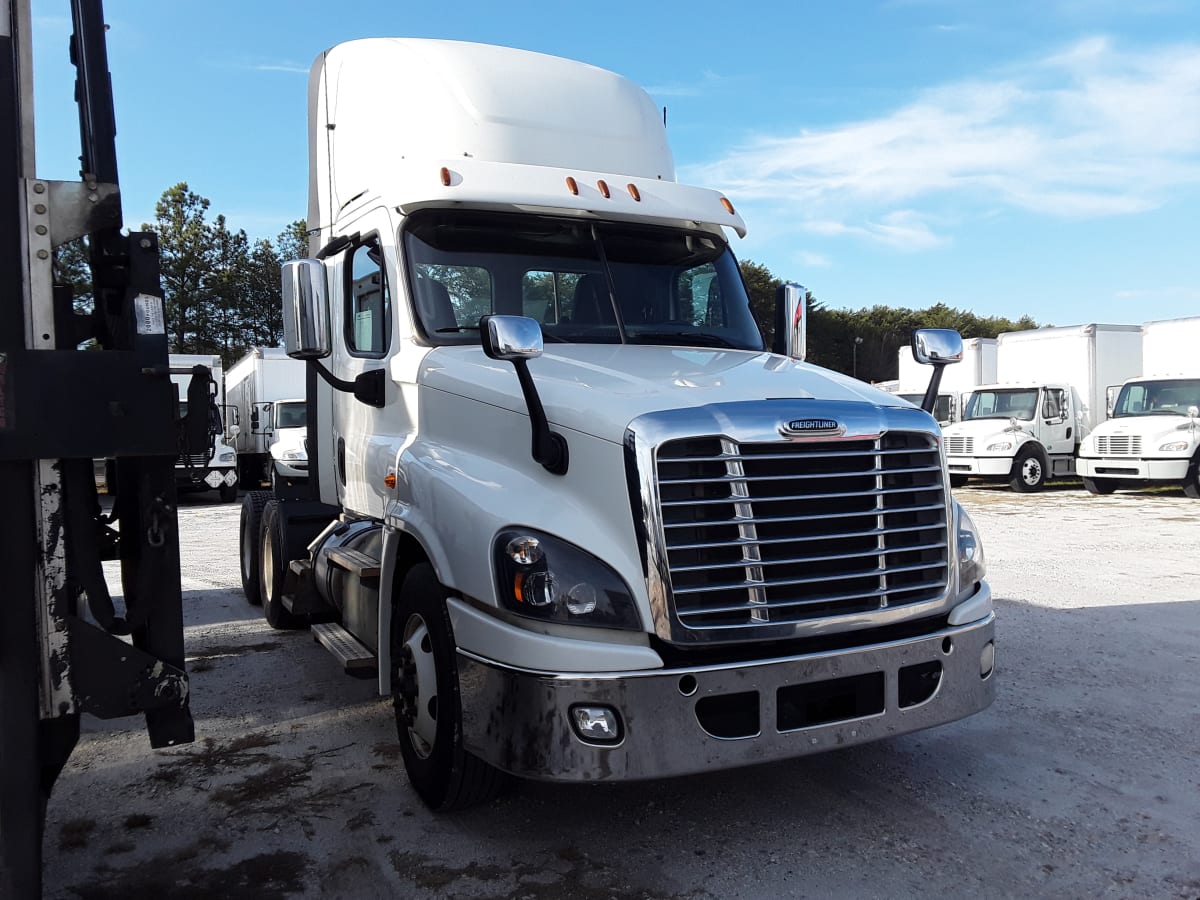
(752, 531)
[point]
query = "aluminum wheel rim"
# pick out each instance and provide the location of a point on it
(1031, 471)
(268, 565)
(422, 731)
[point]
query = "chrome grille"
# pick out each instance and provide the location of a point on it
(1119, 445)
(788, 532)
(194, 460)
(960, 446)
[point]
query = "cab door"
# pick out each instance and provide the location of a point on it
(1056, 421)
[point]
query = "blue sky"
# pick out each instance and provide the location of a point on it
(1008, 158)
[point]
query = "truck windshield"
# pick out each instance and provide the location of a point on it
(215, 425)
(1170, 397)
(1002, 404)
(584, 283)
(291, 415)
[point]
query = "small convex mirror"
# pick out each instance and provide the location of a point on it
(937, 346)
(305, 310)
(511, 337)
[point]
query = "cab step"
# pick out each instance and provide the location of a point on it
(337, 640)
(355, 562)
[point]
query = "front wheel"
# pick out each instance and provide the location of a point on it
(250, 542)
(227, 492)
(425, 694)
(957, 481)
(1191, 484)
(1028, 471)
(1100, 485)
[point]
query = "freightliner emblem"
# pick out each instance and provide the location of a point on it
(805, 427)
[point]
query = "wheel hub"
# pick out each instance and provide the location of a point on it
(417, 686)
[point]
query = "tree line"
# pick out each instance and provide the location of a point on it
(223, 295)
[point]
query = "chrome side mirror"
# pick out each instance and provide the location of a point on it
(1193, 411)
(937, 346)
(511, 337)
(791, 321)
(306, 332)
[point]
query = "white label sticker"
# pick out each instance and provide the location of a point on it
(149, 310)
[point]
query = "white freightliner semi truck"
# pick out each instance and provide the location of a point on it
(1050, 391)
(266, 388)
(561, 499)
(1153, 436)
(978, 366)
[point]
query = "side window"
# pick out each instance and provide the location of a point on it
(368, 303)
(698, 293)
(1053, 407)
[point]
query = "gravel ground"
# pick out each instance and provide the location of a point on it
(1080, 781)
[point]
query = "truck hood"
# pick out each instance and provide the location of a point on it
(598, 389)
(984, 429)
(1153, 430)
(287, 439)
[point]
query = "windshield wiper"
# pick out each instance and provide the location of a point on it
(686, 337)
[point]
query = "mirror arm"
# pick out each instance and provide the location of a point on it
(931, 392)
(367, 387)
(548, 448)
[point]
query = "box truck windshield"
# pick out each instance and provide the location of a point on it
(1171, 397)
(671, 286)
(291, 415)
(215, 425)
(1002, 404)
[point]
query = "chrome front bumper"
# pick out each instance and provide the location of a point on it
(519, 720)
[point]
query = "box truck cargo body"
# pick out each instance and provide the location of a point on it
(562, 501)
(266, 387)
(1153, 436)
(1051, 390)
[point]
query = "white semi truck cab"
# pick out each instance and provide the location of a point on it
(1153, 437)
(562, 499)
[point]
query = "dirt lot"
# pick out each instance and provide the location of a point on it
(1081, 781)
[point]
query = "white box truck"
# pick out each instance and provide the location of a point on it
(214, 468)
(1051, 390)
(266, 387)
(561, 498)
(1153, 436)
(978, 367)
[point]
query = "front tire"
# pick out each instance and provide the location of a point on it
(227, 492)
(425, 693)
(250, 542)
(272, 566)
(1100, 485)
(957, 481)
(1191, 484)
(1028, 471)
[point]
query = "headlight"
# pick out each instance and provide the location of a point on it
(1174, 446)
(1003, 445)
(294, 454)
(227, 456)
(971, 564)
(543, 577)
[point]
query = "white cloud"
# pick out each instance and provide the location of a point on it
(1089, 131)
(281, 67)
(813, 260)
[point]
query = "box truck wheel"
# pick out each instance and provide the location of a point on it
(272, 565)
(425, 694)
(1100, 485)
(227, 492)
(1029, 470)
(1191, 484)
(249, 541)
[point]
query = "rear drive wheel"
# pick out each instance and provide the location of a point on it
(1100, 485)
(249, 539)
(272, 566)
(957, 481)
(425, 693)
(1028, 471)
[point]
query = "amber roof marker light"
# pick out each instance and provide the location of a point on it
(445, 177)
(603, 185)
(728, 206)
(572, 186)
(635, 193)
